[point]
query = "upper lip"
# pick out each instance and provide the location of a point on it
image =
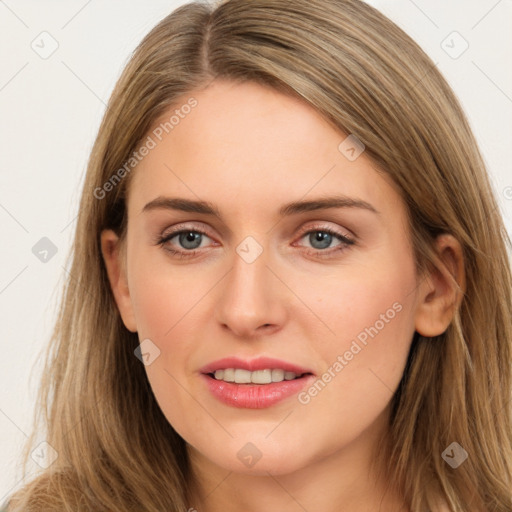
(260, 363)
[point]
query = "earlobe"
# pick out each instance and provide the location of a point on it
(442, 289)
(113, 257)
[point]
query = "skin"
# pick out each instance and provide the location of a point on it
(249, 149)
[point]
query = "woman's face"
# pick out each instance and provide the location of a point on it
(264, 268)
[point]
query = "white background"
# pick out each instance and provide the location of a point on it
(50, 112)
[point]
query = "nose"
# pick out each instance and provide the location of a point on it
(252, 299)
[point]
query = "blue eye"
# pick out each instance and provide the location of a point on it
(321, 239)
(189, 239)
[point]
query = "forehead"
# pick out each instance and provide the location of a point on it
(243, 145)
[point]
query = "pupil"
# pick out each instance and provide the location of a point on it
(322, 237)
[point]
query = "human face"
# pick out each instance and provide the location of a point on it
(268, 284)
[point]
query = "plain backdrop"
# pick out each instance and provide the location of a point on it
(51, 107)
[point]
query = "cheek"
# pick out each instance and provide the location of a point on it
(164, 310)
(371, 319)
(363, 304)
(163, 297)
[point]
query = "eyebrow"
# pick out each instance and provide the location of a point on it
(295, 207)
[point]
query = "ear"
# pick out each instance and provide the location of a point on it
(114, 256)
(442, 289)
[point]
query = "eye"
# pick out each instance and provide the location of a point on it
(186, 241)
(322, 238)
(189, 239)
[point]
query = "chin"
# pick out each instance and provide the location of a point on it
(251, 460)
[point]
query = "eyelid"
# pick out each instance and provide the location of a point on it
(324, 226)
(179, 228)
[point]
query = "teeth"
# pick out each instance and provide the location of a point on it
(261, 377)
(277, 375)
(242, 376)
(229, 375)
(239, 376)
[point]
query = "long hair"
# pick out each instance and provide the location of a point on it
(116, 451)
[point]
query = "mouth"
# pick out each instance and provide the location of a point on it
(255, 384)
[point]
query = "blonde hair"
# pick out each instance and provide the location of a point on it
(117, 451)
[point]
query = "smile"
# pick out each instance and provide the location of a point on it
(254, 383)
(266, 376)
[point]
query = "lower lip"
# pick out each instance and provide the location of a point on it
(255, 396)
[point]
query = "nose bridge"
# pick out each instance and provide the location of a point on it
(249, 298)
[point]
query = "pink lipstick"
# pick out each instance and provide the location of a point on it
(254, 384)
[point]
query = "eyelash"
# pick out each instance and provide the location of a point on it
(345, 242)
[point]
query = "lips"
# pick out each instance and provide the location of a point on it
(251, 395)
